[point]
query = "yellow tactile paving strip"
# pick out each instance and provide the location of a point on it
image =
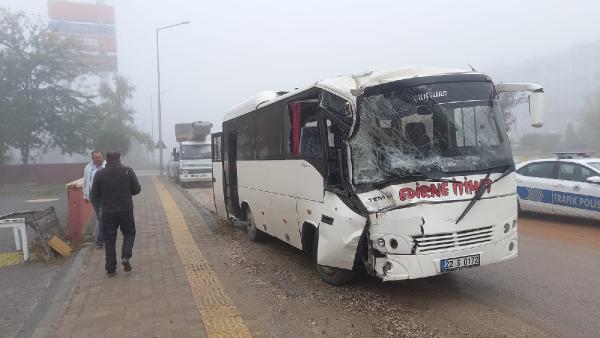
(219, 314)
(10, 258)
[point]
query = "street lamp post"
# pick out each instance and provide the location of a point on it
(160, 140)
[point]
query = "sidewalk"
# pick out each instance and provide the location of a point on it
(155, 299)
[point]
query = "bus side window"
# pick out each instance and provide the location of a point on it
(269, 132)
(305, 133)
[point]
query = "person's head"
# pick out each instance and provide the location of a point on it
(113, 157)
(97, 157)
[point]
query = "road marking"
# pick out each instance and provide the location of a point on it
(220, 316)
(10, 258)
(42, 200)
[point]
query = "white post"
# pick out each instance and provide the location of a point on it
(17, 239)
(23, 228)
(18, 225)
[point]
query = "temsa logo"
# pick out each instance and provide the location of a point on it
(380, 197)
(467, 187)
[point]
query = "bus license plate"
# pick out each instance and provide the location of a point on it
(458, 263)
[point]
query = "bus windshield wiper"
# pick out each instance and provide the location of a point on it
(414, 177)
(478, 194)
(506, 172)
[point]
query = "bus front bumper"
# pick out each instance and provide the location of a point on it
(400, 267)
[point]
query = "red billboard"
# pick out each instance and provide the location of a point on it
(82, 12)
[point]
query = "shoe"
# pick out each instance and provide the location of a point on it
(111, 273)
(126, 264)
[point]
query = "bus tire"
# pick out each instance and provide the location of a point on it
(330, 275)
(254, 233)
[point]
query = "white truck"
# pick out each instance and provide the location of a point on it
(191, 161)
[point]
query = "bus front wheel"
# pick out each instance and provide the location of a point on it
(253, 232)
(330, 275)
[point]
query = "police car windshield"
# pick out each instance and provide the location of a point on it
(434, 128)
(195, 151)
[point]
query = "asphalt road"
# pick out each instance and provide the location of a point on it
(552, 288)
(23, 286)
(554, 284)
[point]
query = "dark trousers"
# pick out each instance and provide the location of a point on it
(111, 222)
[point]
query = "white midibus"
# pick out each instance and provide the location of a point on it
(401, 174)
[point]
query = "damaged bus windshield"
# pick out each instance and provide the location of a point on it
(427, 129)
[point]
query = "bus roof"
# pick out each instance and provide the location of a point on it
(342, 85)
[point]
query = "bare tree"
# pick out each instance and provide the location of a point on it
(508, 102)
(115, 123)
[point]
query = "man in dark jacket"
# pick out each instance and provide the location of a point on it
(113, 186)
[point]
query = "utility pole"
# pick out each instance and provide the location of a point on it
(160, 143)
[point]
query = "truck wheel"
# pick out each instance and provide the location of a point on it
(330, 275)
(253, 232)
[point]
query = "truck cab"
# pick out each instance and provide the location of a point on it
(191, 161)
(194, 163)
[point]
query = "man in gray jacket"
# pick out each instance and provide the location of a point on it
(114, 187)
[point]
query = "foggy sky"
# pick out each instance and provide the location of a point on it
(233, 49)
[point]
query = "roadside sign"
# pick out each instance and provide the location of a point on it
(161, 145)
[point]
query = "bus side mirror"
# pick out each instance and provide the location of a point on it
(536, 109)
(536, 99)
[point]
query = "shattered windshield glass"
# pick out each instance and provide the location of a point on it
(428, 129)
(196, 151)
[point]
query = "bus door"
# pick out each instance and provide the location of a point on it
(231, 192)
(218, 176)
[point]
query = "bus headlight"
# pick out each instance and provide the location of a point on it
(387, 267)
(381, 242)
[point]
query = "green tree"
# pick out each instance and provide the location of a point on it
(41, 104)
(115, 124)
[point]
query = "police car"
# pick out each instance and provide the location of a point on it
(567, 185)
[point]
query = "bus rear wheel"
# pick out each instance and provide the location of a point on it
(253, 232)
(330, 275)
